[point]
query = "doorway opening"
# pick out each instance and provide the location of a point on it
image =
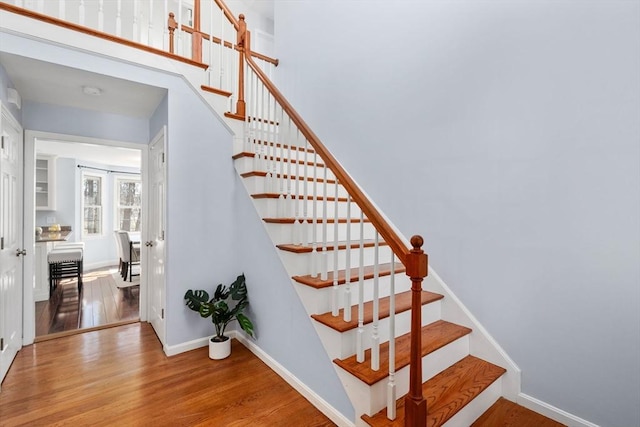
(87, 193)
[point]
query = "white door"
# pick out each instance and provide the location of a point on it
(155, 244)
(11, 245)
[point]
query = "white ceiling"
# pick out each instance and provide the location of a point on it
(48, 83)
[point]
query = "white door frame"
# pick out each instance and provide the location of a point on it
(29, 314)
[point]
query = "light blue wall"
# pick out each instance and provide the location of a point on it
(159, 118)
(93, 124)
(507, 134)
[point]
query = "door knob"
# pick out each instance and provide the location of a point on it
(21, 252)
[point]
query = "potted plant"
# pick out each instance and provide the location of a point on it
(222, 311)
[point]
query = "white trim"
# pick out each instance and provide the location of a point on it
(172, 350)
(552, 412)
(322, 405)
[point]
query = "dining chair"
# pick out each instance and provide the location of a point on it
(130, 255)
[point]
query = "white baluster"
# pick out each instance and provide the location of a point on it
(334, 294)
(305, 231)
(119, 19)
(375, 336)
(81, 13)
(179, 29)
(360, 335)
(324, 258)
(220, 56)
(136, 30)
(150, 31)
(271, 149)
(290, 199)
(314, 229)
(391, 386)
(280, 183)
(347, 272)
(101, 15)
(297, 226)
(62, 9)
(165, 27)
(210, 69)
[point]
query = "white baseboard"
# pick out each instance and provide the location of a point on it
(317, 401)
(552, 412)
(172, 350)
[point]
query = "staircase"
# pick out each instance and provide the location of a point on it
(358, 279)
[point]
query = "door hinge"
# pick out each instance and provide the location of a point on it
(162, 157)
(1, 243)
(162, 235)
(162, 314)
(2, 143)
(1, 344)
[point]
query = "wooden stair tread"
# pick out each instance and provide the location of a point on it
(277, 159)
(434, 336)
(318, 283)
(235, 116)
(300, 197)
(447, 392)
(215, 90)
(310, 220)
(403, 303)
(300, 178)
(505, 413)
(300, 249)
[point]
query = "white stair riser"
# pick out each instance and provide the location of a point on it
(371, 399)
(284, 233)
(318, 301)
(301, 263)
(269, 208)
(258, 185)
(343, 344)
(260, 163)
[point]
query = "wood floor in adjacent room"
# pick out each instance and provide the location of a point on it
(102, 303)
(120, 376)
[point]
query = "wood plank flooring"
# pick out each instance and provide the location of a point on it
(102, 304)
(120, 376)
(505, 413)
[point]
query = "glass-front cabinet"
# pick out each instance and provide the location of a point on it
(45, 183)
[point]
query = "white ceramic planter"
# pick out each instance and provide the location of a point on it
(219, 350)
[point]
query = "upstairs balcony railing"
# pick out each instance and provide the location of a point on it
(206, 34)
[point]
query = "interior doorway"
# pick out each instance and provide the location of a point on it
(84, 190)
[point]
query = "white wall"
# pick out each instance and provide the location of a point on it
(507, 134)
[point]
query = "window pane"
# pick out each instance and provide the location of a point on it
(129, 219)
(92, 196)
(92, 220)
(130, 193)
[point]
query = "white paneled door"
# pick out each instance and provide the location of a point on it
(12, 251)
(155, 244)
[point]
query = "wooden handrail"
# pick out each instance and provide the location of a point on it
(232, 19)
(389, 235)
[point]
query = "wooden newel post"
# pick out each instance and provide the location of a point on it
(243, 48)
(414, 403)
(172, 25)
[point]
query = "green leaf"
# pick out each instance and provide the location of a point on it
(245, 323)
(238, 288)
(195, 299)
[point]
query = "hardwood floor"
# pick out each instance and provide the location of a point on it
(102, 304)
(120, 376)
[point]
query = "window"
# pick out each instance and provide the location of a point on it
(128, 197)
(92, 205)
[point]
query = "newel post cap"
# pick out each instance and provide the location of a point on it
(417, 261)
